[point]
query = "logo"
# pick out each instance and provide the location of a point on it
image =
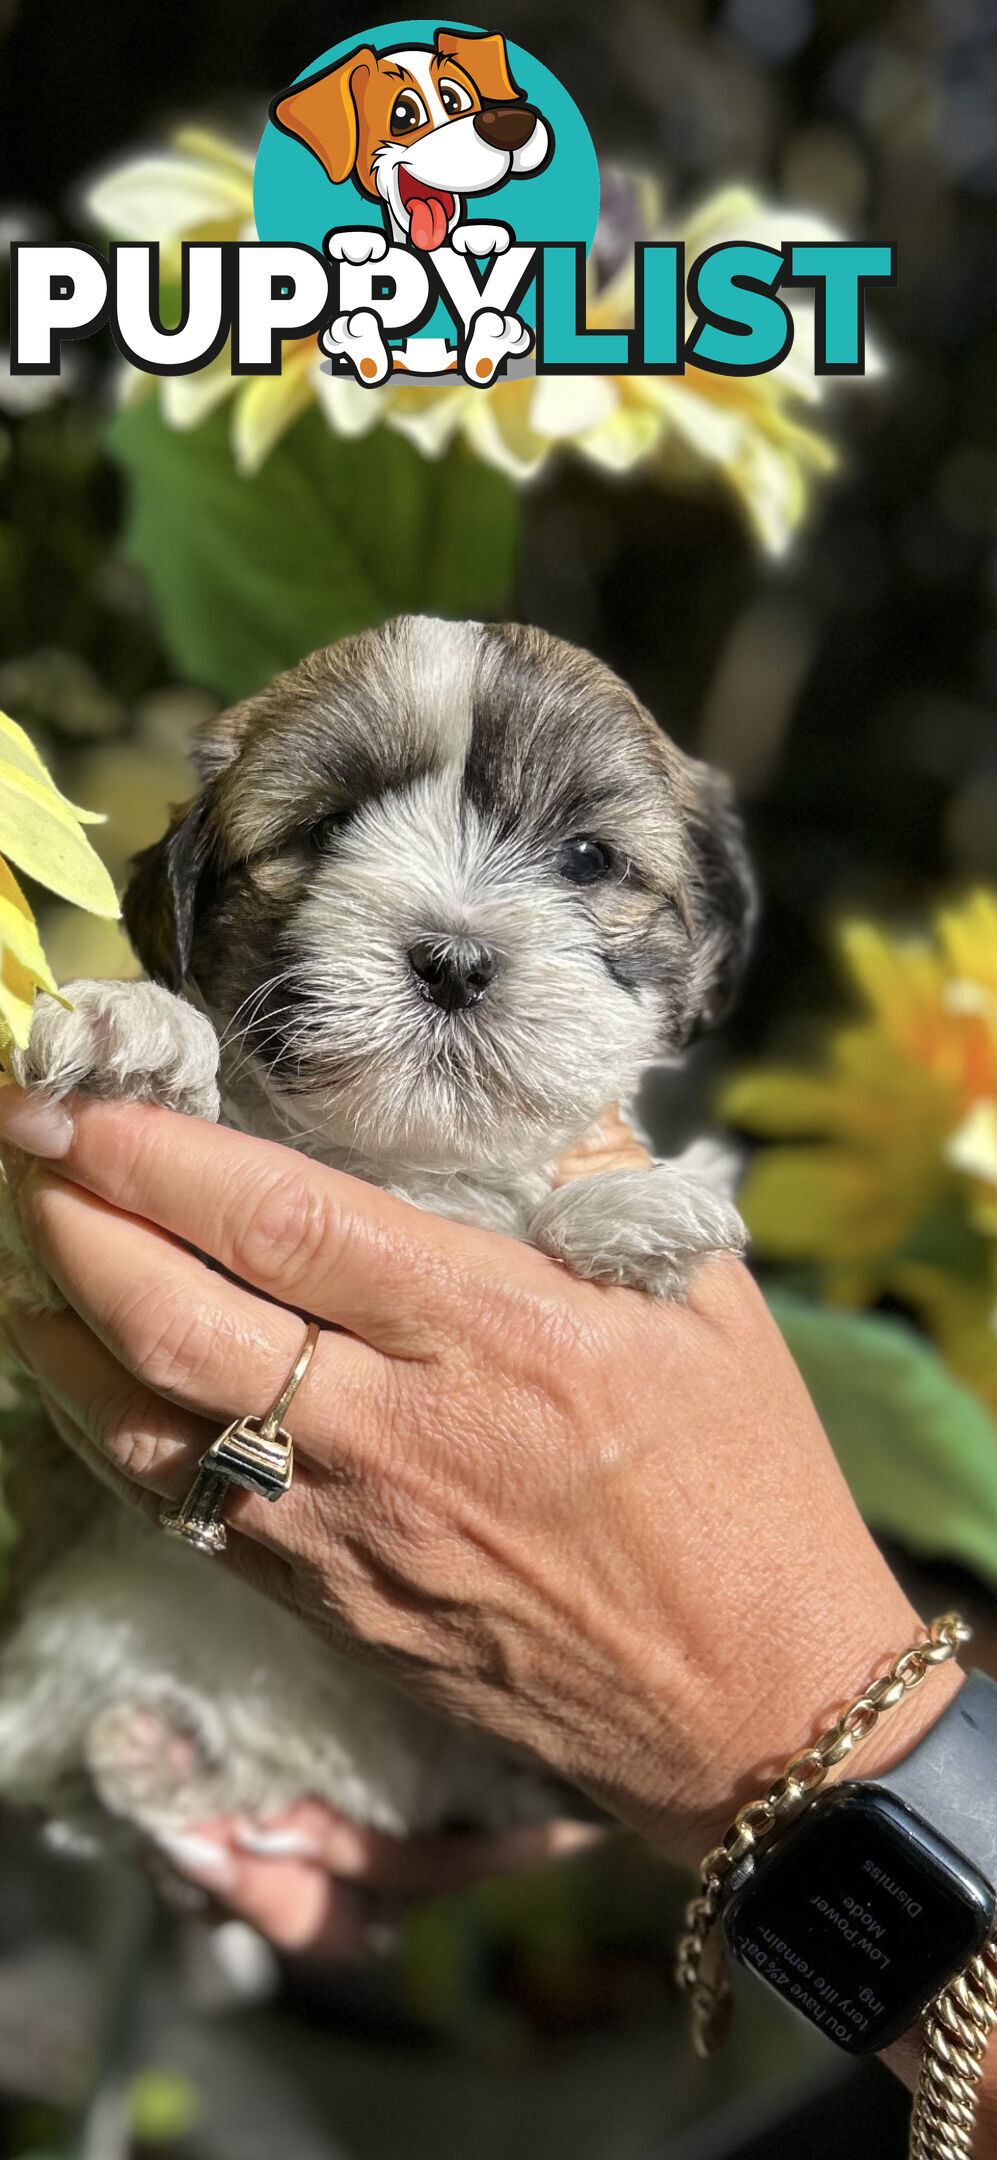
(425, 163)
(426, 197)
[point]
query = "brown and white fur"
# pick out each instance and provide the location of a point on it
(446, 890)
(418, 130)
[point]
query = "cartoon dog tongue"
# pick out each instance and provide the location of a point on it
(427, 222)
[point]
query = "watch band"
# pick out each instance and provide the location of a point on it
(949, 1778)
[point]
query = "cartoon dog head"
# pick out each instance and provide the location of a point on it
(420, 128)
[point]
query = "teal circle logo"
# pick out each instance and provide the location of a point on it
(449, 146)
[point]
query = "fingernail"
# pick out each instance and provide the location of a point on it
(39, 1127)
(277, 1844)
(200, 1857)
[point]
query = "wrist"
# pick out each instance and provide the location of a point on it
(790, 1695)
(875, 1914)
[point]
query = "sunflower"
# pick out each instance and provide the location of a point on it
(747, 430)
(884, 1172)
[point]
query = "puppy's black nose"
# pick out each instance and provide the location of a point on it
(453, 972)
(506, 127)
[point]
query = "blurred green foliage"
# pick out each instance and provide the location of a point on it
(329, 537)
(918, 1449)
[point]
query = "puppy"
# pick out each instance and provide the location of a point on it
(418, 130)
(446, 889)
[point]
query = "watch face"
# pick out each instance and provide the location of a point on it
(860, 1917)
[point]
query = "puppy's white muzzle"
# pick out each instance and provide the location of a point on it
(458, 158)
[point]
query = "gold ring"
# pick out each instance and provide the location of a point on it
(256, 1453)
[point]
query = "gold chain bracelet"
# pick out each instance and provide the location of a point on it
(957, 2026)
(959, 2022)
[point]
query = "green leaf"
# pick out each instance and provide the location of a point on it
(918, 1449)
(329, 537)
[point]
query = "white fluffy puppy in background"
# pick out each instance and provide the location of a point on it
(445, 892)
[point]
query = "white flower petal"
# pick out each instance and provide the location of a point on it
(623, 441)
(186, 400)
(566, 405)
(164, 196)
(349, 408)
(972, 999)
(712, 430)
(432, 423)
(973, 1147)
(210, 149)
(481, 429)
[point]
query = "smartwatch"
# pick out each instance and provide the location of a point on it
(882, 1890)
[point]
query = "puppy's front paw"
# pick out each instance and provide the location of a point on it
(494, 339)
(131, 1040)
(149, 1764)
(649, 1228)
(359, 340)
(356, 244)
(480, 239)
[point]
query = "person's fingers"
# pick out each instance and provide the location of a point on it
(135, 1496)
(144, 1448)
(184, 1331)
(251, 1557)
(128, 1426)
(300, 1908)
(294, 1229)
(424, 1865)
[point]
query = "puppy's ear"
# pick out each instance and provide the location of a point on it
(161, 900)
(484, 60)
(323, 113)
(724, 898)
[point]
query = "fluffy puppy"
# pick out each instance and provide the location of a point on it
(446, 889)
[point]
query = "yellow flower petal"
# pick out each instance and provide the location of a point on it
(968, 937)
(777, 1101)
(186, 400)
(899, 1194)
(428, 422)
(350, 409)
(19, 931)
(269, 405)
(18, 751)
(17, 1003)
(42, 833)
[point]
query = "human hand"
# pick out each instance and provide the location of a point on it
(319, 1885)
(607, 1530)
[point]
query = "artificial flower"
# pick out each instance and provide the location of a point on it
(884, 1171)
(42, 833)
(746, 430)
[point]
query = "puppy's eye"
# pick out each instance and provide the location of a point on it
(582, 861)
(407, 112)
(328, 829)
(454, 98)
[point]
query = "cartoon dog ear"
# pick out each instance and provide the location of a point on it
(484, 59)
(323, 114)
(161, 900)
(725, 900)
